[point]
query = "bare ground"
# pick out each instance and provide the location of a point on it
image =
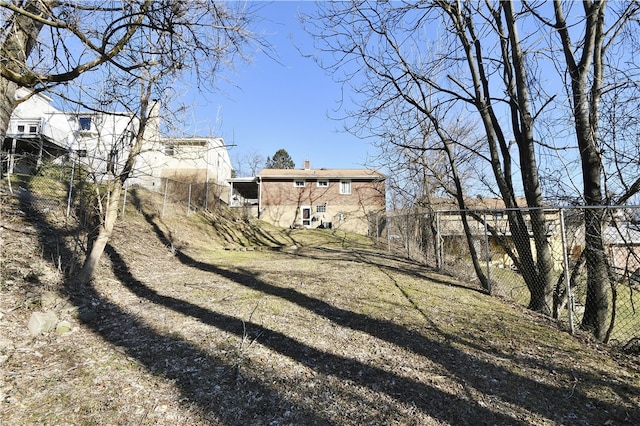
(318, 329)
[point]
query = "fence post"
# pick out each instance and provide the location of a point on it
(407, 236)
(164, 198)
(189, 201)
(389, 233)
(486, 248)
(206, 195)
(566, 270)
(73, 169)
(12, 157)
(438, 246)
(124, 200)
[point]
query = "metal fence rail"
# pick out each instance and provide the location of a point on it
(437, 239)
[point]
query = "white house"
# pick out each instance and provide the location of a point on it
(197, 159)
(101, 142)
(37, 130)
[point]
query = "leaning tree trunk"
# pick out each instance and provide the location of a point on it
(107, 222)
(536, 268)
(148, 114)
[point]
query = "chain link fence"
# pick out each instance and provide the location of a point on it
(178, 198)
(65, 187)
(438, 239)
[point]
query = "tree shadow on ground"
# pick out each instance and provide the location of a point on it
(245, 401)
(476, 375)
(389, 262)
(432, 401)
(204, 380)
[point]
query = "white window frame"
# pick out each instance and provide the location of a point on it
(322, 183)
(28, 128)
(299, 183)
(345, 187)
(306, 222)
(321, 208)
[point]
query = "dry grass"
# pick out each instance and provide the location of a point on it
(319, 329)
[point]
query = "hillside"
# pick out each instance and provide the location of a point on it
(212, 319)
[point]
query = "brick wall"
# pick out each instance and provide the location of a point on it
(282, 202)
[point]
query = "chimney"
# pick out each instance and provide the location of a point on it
(307, 164)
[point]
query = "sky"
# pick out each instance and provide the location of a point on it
(283, 104)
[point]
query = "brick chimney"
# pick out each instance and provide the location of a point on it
(307, 164)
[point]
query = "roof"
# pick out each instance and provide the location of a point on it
(195, 141)
(475, 203)
(321, 174)
(621, 234)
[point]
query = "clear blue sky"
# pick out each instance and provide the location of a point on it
(283, 105)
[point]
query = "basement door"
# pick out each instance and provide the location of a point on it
(306, 216)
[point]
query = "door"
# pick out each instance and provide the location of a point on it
(306, 216)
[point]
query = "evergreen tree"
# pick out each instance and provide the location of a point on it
(281, 160)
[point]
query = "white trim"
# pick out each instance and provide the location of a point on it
(302, 219)
(343, 186)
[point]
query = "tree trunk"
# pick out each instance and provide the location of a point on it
(149, 111)
(596, 309)
(586, 117)
(7, 103)
(23, 33)
(104, 234)
(535, 270)
(539, 281)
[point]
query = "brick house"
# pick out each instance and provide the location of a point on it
(319, 198)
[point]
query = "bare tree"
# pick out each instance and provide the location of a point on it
(136, 50)
(389, 46)
(47, 42)
(37, 59)
(585, 63)
(250, 163)
(497, 61)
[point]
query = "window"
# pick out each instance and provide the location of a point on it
(31, 128)
(84, 123)
(321, 209)
(323, 184)
(169, 150)
(299, 183)
(345, 187)
(82, 153)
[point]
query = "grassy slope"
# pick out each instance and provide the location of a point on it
(319, 329)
